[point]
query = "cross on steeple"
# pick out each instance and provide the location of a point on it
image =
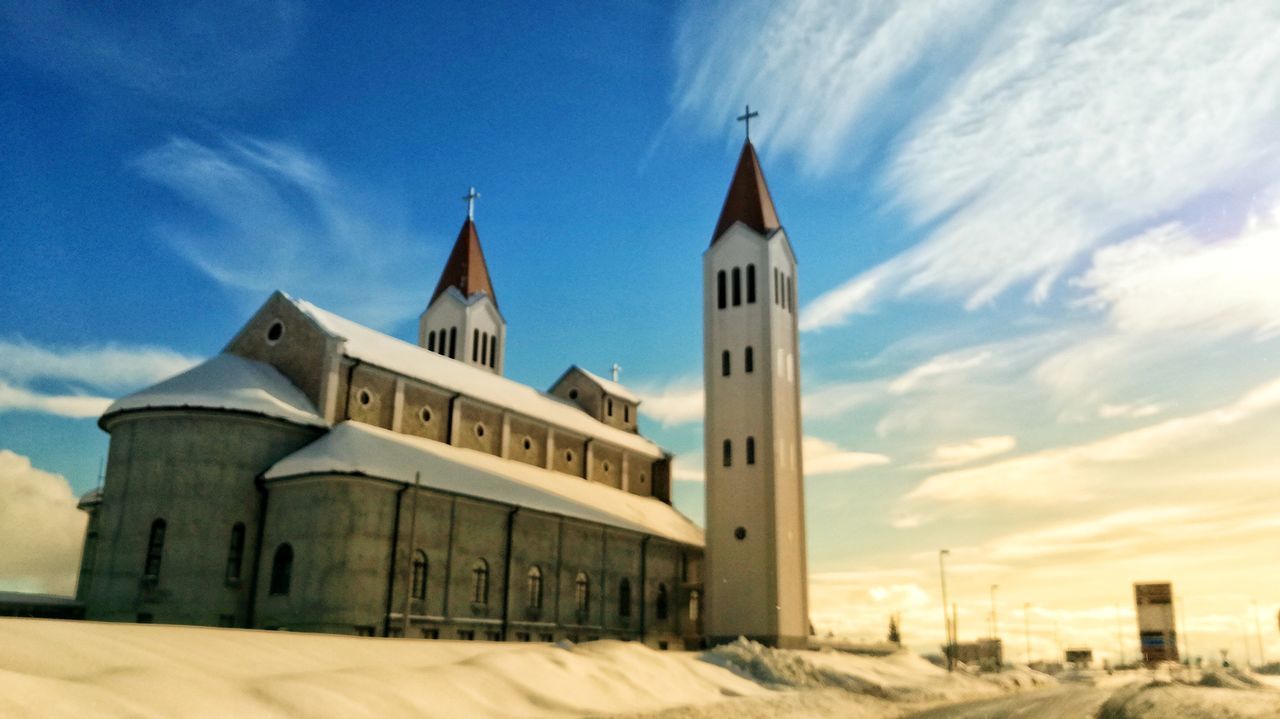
(746, 117)
(617, 370)
(470, 197)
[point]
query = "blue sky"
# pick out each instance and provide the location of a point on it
(1039, 263)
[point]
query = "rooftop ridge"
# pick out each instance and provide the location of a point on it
(748, 200)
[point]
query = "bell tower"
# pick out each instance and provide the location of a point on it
(756, 575)
(462, 320)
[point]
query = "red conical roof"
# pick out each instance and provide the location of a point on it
(748, 200)
(465, 268)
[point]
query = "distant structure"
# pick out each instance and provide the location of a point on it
(986, 653)
(1079, 657)
(1156, 631)
(756, 578)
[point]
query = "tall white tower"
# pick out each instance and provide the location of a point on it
(756, 575)
(462, 320)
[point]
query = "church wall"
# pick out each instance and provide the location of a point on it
(300, 352)
(195, 470)
(582, 551)
(581, 391)
(370, 395)
(569, 453)
(622, 561)
(662, 569)
(340, 530)
(417, 397)
(606, 465)
(639, 475)
(480, 427)
(430, 535)
(479, 532)
(535, 541)
(536, 433)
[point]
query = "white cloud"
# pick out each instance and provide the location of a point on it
(280, 219)
(1133, 410)
(1059, 475)
(99, 366)
(688, 468)
(941, 366)
(679, 402)
(1020, 134)
(823, 457)
(74, 406)
(972, 450)
(41, 531)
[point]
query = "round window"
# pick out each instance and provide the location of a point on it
(275, 332)
(568, 456)
(606, 467)
(641, 479)
(528, 444)
(573, 393)
(425, 415)
(364, 397)
(740, 533)
(479, 429)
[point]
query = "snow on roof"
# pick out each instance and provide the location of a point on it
(610, 386)
(419, 363)
(226, 382)
(357, 448)
(90, 498)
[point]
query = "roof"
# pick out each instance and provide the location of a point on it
(359, 449)
(42, 600)
(90, 498)
(748, 200)
(228, 382)
(375, 348)
(609, 386)
(465, 268)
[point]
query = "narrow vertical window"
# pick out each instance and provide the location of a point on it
(751, 450)
(431, 341)
(791, 294)
(783, 289)
(282, 570)
(728, 453)
(475, 345)
(453, 342)
(484, 348)
(480, 582)
(694, 596)
(737, 286)
(721, 293)
(661, 603)
(724, 363)
(235, 552)
(748, 360)
(751, 284)
(626, 413)
(155, 548)
(418, 584)
(582, 592)
(493, 351)
(609, 403)
(535, 587)
(777, 293)
(624, 597)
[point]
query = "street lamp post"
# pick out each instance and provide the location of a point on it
(949, 648)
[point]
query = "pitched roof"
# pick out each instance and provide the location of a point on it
(360, 449)
(748, 200)
(609, 386)
(465, 268)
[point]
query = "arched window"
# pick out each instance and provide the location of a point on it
(453, 342)
(751, 284)
(480, 582)
(235, 552)
(609, 402)
(431, 341)
(475, 345)
(484, 348)
(282, 570)
(720, 290)
(418, 585)
(661, 603)
(155, 548)
(493, 351)
(582, 592)
(751, 450)
(694, 596)
(728, 453)
(624, 597)
(748, 361)
(737, 286)
(724, 363)
(535, 587)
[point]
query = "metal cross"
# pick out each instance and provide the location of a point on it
(470, 197)
(746, 117)
(617, 370)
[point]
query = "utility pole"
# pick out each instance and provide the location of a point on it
(413, 527)
(1186, 635)
(995, 627)
(1119, 636)
(1026, 628)
(949, 649)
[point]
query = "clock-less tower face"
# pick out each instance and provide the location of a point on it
(756, 582)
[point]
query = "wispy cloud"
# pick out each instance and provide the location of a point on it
(65, 405)
(1021, 135)
(274, 216)
(972, 450)
(676, 403)
(941, 366)
(40, 528)
(823, 457)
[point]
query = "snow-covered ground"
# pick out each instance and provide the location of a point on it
(76, 669)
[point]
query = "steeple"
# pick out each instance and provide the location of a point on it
(465, 268)
(748, 200)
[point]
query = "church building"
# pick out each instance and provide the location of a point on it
(318, 475)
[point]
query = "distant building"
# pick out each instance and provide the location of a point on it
(1156, 631)
(1080, 658)
(987, 653)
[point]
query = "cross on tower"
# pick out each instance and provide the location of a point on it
(470, 197)
(746, 117)
(617, 370)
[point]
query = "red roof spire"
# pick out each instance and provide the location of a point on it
(748, 200)
(465, 268)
